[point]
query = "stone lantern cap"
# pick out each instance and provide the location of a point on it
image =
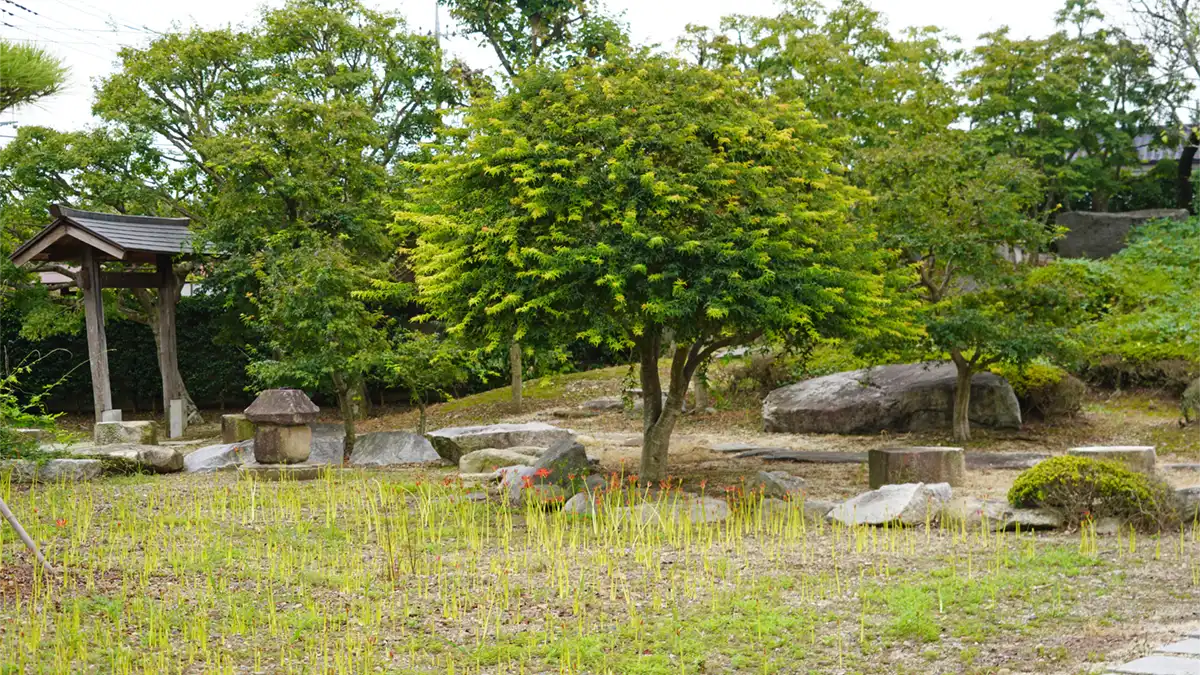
(285, 407)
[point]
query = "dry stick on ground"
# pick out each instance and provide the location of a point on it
(12, 520)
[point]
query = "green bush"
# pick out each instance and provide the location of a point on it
(1081, 488)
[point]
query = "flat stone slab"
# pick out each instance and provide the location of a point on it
(1003, 460)
(1189, 646)
(281, 472)
(156, 458)
(812, 456)
(1137, 457)
(1158, 664)
(1182, 466)
(51, 471)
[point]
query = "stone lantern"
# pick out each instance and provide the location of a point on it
(281, 418)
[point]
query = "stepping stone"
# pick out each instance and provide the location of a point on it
(1190, 647)
(1003, 460)
(894, 466)
(1160, 665)
(279, 472)
(1180, 467)
(816, 457)
(1137, 457)
(741, 448)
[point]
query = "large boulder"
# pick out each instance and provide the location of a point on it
(1092, 234)
(328, 442)
(565, 463)
(219, 457)
(907, 503)
(999, 515)
(454, 442)
(385, 448)
(908, 397)
(490, 459)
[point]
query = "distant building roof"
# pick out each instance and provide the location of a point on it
(115, 236)
(1150, 152)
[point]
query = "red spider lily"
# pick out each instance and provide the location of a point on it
(703, 483)
(61, 522)
(542, 473)
(633, 479)
(527, 481)
(570, 476)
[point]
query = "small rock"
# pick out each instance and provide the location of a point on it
(603, 404)
(778, 484)
(1109, 526)
(476, 497)
(1000, 515)
(583, 504)
(477, 478)
(235, 428)
(218, 457)
(907, 503)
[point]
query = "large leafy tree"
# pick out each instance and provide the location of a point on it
(295, 127)
(843, 64)
(965, 221)
(642, 201)
(1070, 103)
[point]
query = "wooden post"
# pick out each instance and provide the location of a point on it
(93, 312)
(168, 350)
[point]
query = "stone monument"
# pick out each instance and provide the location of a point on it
(281, 418)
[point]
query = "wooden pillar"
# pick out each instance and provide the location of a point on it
(168, 350)
(93, 312)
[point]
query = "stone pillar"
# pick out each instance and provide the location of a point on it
(281, 418)
(894, 466)
(176, 419)
(236, 428)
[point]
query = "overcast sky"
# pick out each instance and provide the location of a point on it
(86, 34)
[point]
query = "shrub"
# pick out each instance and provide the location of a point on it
(1081, 488)
(1044, 391)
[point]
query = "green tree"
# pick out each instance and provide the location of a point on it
(426, 366)
(642, 202)
(961, 218)
(1071, 103)
(27, 73)
(525, 33)
(319, 334)
(296, 128)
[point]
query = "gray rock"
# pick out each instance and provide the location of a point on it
(115, 433)
(741, 449)
(1157, 664)
(487, 459)
(909, 397)
(692, 509)
(582, 504)
(156, 458)
(999, 515)
(777, 484)
(604, 404)
(566, 461)
(328, 444)
(907, 503)
(513, 480)
(818, 509)
(283, 407)
(219, 457)
(1099, 235)
(454, 442)
(387, 448)
(50, 471)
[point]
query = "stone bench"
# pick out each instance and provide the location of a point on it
(893, 466)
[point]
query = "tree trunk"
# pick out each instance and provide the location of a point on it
(514, 364)
(93, 311)
(701, 388)
(159, 311)
(659, 417)
(962, 397)
(362, 401)
(346, 408)
(422, 423)
(1183, 175)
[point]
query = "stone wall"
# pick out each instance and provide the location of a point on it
(1099, 235)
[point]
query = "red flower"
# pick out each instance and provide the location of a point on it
(527, 481)
(703, 483)
(542, 473)
(632, 479)
(61, 522)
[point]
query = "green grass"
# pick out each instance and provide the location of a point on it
(396, 572)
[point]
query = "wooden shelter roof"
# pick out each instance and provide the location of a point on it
(112, 236)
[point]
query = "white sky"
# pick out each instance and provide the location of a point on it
(86, 34)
